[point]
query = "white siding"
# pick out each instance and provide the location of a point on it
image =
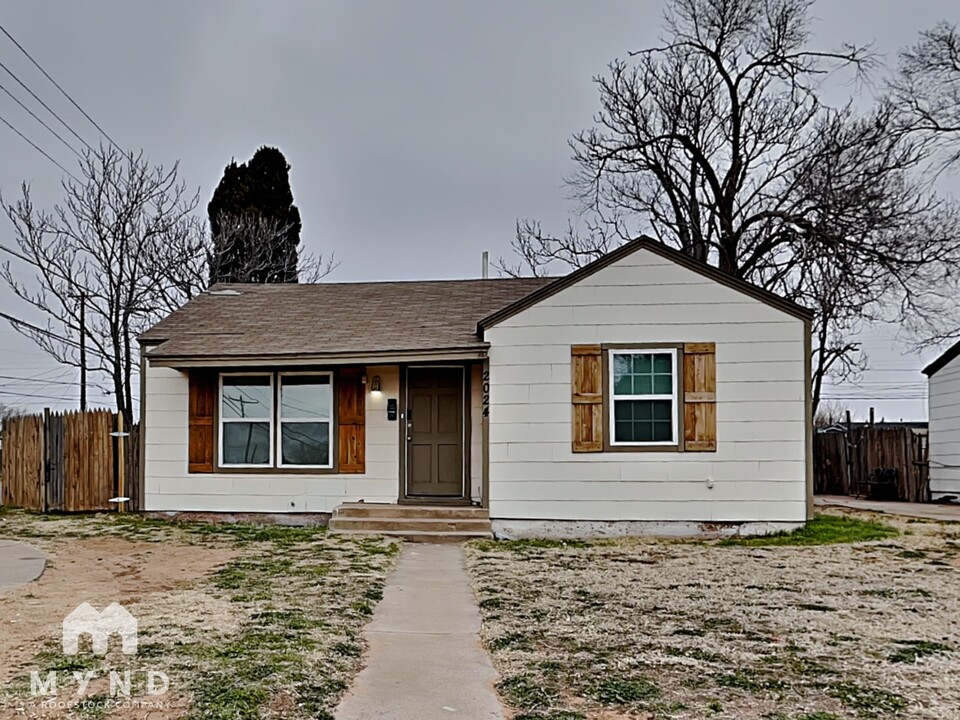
(944, 389)
(168, 486)
(758, 472)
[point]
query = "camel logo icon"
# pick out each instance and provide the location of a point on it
(86, 620)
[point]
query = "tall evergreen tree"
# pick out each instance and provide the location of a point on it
(254, 224)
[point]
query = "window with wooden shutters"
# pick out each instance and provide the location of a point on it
(351, 421)
(201, 406)
(655, 398)
(586, 367)
(700, 397)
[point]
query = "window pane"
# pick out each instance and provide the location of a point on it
(662, 431)
(661, 363)
(642, 384)
(622, 367)
(643, 420)
(245, 397)
(304, 396)
(246, 443)
(641, 364)
(305, 443)
(662, 384)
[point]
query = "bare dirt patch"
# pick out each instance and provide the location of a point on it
(245, 621)
(646, 629)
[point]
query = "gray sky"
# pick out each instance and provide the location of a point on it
(418, 132)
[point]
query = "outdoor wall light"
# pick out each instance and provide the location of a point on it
(375, 385)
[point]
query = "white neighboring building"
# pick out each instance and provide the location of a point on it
(943, 388)
(644, 392)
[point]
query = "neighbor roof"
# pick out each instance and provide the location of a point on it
(949, 354)
(645, 243)
(332, 319)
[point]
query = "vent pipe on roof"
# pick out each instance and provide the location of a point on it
(486, 264)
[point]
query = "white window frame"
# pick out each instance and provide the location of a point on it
(223, 420)
(673, 397)
(281, 419)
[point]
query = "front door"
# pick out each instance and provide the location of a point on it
(435, 432)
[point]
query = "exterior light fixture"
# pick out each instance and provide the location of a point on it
(375, 385)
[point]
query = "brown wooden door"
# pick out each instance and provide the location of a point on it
(435, 432)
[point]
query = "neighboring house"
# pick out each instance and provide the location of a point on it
(943, 388)
(644, 392)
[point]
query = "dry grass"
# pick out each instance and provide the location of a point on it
(247, 621)
(646, 629)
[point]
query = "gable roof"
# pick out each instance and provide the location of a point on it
(949, 354)
(658, 248)
(331, 319)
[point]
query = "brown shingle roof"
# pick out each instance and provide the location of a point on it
(236, 320)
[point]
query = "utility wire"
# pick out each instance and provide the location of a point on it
(35, 117)
(57, 85)
(17, 322)
(37, 147)
(48, 108)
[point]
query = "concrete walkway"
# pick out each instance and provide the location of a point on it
(925, 511)
(19, 564)
(425, 660)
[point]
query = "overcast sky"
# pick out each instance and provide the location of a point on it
(418, 132)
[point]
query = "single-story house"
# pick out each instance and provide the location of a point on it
(644, 392)
(943, 402)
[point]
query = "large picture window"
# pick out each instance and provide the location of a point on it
(276, 420)
(643, 393)
(246, 420)
(306, 414)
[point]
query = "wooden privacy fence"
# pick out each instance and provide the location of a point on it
(844, 461)
(69, 462)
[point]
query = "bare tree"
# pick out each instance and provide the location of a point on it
(926, 88)
(96, 255)
(250, 243)
(829, 413)
(717, 143)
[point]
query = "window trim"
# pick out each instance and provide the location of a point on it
(280, 465)
(675, 351)
(221, 420)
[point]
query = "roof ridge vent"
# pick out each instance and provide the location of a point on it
(227, 292)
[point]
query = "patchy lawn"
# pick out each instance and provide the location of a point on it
(846, 619)
(245, 621)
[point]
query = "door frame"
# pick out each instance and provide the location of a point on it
(466, 420)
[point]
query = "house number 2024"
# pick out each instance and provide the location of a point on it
(486, 393)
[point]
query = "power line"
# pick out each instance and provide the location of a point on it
(17, 322)
(42, 381)
(48, 108)
(35, 117)
(57, 85)
(37, 147)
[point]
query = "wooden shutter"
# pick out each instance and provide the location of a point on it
(586, 369)
(700, 397)
(202, 405)
(351, 419)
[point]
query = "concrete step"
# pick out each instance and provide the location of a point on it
(385, 510)
(383, 524)
(423, 536)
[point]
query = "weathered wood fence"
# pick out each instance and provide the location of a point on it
(844, 460)
(69, 462)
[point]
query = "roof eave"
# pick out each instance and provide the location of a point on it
(471, 352)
